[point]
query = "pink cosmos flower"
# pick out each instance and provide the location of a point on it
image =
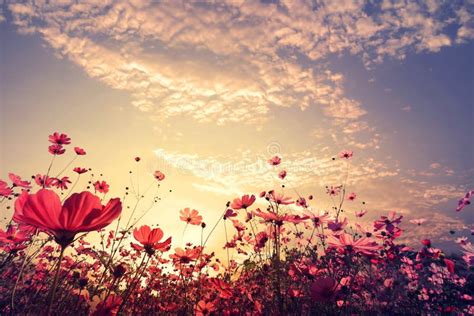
(466, 200)
(360, 213)
(5, 190)
(204, 308)
(18, 182)
(244, 202)
(346, 154)
(185, 256)
(59, 139)
(81, 212)
(190, 216)
(352, 196)
(229, 213)
(61, 183)
(282, 174)
(388, 222)
(80, 170)
(274, 161)
(319, 218)
(301, 201)
(101, 186)
(79, 151)
(333, 190)
(468, 250)
(56, 149)
(44, 181)
(345, 243)
(279, 198)
(160, 176)
(150, 239)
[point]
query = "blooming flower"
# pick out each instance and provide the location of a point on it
(81, 212)
(185, 256)
(80, 170)
(389, 222)
(345, 243)
(101, 186)
(79, 151)
(159, 175)
(204, 308)
(282, 174)
(190, 216)
(466, 200)
(346, 154)
(44, 181)
(279, 198)
(59, 139)
(61, 183)
(333, 190)
(56, 149)
(319, 218)
(274, 161)
(18, 182)
(360, 213)
(244, 202)
(5, 190)
(352, 196)
(150, 239)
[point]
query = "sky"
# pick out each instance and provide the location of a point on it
(208, 91)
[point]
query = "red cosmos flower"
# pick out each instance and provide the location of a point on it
(59, 139)
(466, 200)
(333, 190)
(5, 190)
(282, 174)
(150, 240)
(13, 238)
(190, 216)
(204, 308)
(80, 170)
(324, 289)
(279, 198)
(301, 201)
(56, 149)
(159, 175)
(274, 161)
(346, 154)
(229, 213)
(18, 182)
(61, 183)
(79, 151)
(185, 256)
(426, 242)
(346, 244)
(244, 202)
(81, 212)
(44, 181)
(101, 186)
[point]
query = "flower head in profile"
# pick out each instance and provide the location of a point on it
(59, 139)
(81, 212)
(150, 240)
(466, 200)
(160, 176)
(346, 154)
(360, 213)
(345, 243)
(101, 186)
(79, 170)
(279, 198)
(16, 180)
(274, 161)
(190, 216)
(56, 149)
(244, 202)
(79, 151)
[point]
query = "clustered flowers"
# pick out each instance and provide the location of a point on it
(78, 252)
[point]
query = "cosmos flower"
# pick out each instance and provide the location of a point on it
(149, 239)
(360, 213)
(5, 190)
(160, 176)
(190, 216)
(204, 308)
(81, 212)
(61, 183)
(352, 196)
(80, 170)
(18, 182)
(44, 181)
(109, 307)
(346, 154)
(185, 256)
(345, 243)
(466, 200)
(274, 161)
(333, 190)
(388, 222)
(56, 149)
(79, 151)
(101, 186)
(244, 202)
(318, 218)
(282, 174)
(59, 139)
(279, 198)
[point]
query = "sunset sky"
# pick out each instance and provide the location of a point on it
(208, 92)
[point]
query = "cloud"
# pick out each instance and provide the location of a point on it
(406, 108)
(235, 61)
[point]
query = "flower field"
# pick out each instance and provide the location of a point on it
(293, 257)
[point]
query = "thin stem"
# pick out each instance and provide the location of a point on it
(52, 291)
